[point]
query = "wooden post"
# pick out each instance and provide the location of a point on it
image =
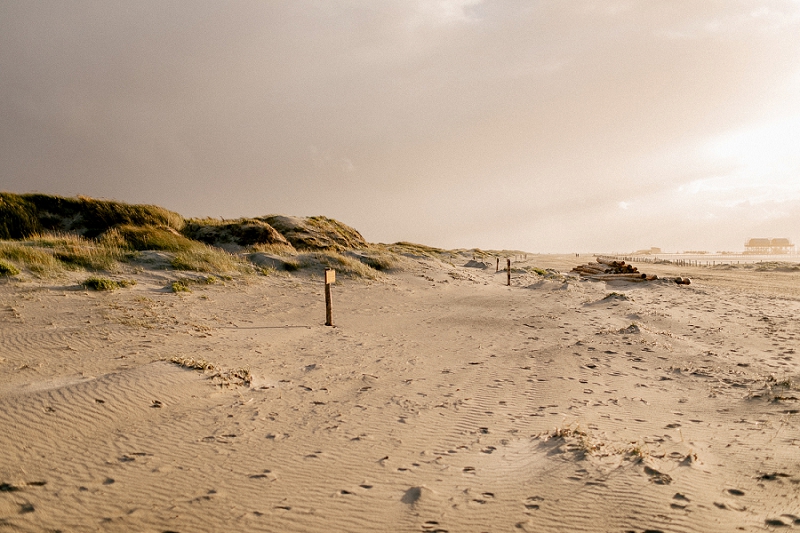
(330, 277)
(498, 266)
(508, 270)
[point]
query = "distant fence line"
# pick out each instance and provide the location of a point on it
(707, 259)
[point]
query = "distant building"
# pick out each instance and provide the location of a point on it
(652, 250)
(769, 246)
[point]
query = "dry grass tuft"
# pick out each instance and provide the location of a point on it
(280, 250)
(382, 260)
(148, 238)
(223, 377)
(104, 284)
(204, 258)
(344, 265)
(7, 269)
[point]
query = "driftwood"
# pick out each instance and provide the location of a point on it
(610, 262)
(608, 269)
(635, 277)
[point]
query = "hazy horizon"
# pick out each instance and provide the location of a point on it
(540, 126)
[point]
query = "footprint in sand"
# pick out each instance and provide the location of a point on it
(532, 502)
(412, 495)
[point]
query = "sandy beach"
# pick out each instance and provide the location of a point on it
(443, 400)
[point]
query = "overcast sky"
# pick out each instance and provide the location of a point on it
(538, 125)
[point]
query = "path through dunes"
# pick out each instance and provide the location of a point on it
(456, 404)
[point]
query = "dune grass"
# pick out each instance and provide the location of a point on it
(223, 376)
(7, 269)
(97, 283)
(381, 259)
(18, 217)
(281, 250)
(345, 266)
(50, 254)
(38, 261)
(180, 285)
(203, 258)
(149, 238)
(24, 215)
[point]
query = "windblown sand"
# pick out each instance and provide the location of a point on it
(441, 401)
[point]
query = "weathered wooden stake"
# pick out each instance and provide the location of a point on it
(498, 266)
(330, 277)
(508, 270)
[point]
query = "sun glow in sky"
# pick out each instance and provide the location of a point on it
(545, 126)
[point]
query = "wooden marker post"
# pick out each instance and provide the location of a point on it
(330, 277)
(498, 266)
(508, 270)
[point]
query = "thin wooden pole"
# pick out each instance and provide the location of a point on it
(498, 266)
(508, 270)
(330, 277)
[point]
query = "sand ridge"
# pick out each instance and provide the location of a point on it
(442, 401)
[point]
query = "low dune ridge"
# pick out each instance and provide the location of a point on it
(443, 400)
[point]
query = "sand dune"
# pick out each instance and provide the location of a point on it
(442, 401)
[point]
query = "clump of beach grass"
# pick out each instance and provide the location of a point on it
(49, 254)
(281, 250)
(203, 258)
(36, 260)
(417, 250)
(149, 238)
(380, 260)
(576, 439)
(180, 285)
(97, 283)
(615, 296)
(7, 269)
(223, 377)
(344, 265)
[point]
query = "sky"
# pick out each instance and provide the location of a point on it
(545, 126)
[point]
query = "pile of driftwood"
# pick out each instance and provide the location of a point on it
(608, 269)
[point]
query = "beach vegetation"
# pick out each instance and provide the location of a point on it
(223, 377)
(380, 260)
(24, 215)
(616, 296)
(180, 285)
(281, 250)
(418, 250)
(148, 238)
(244, 232)
(204, 258)
(345, 266)
(316, 233)
(97, 283)
(36, 260)
(8, 269)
